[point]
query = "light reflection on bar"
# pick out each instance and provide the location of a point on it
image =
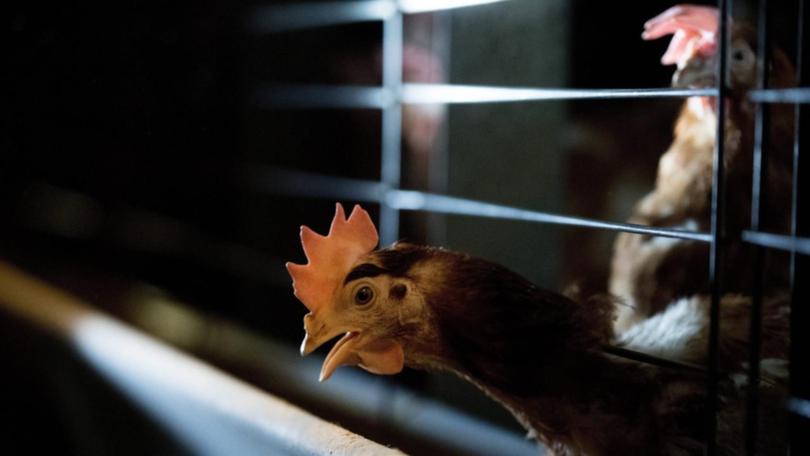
(794, 95)
(421, 201)
(298, 183)
(425, 6)
(799, 406)
(449, 94)
(778, 241)
(391, 140)
(301, 96)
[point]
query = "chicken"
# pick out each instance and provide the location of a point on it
(648, 272)
(538, 353)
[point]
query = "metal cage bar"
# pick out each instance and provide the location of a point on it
(760, 158)
(654, 360)
(717, 221)
(800, 407)
(297, 183)
(391, 162)
(797, 243)
(375, 97)
(793, 95)
(456, 94)
(788, 243)
(799, 427)
(425, 6)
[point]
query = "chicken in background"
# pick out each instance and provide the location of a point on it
(648, 273)
(540, 354)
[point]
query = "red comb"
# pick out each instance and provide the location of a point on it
(330, 257)
(694, 29)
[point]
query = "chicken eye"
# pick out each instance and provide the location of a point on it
(741, 53)
(364, 296)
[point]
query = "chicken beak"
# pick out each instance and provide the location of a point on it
(696, 72)
(317, 332)
(378, 356)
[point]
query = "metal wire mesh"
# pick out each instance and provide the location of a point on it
(393, 93)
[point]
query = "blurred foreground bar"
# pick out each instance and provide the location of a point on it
(209, 412)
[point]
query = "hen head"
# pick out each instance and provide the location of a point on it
(693, 47)
(435, 309)
(349, 290)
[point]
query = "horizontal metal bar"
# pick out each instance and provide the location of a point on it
(426, 6)
(451, 94)
(799, 406)
(289, 17)
(301, 96)
(778, 241)
(794, 95)
(296, 183)
(374, 97)
(207, 410)
(421, 201)
(650, 359)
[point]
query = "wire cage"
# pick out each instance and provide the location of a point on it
(87, 224)
(393, 93)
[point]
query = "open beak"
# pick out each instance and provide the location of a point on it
(356, 348)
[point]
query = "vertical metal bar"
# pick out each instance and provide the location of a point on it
(758, 194)
(391, 165)
(717, 231)
(439, 172)
(797, 136)
(800, 264)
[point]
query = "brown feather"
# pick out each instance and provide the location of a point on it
(540, 355)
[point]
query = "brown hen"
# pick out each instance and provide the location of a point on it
(539, 354)
(648, 272)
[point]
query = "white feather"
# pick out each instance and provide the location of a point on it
(669, 333)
